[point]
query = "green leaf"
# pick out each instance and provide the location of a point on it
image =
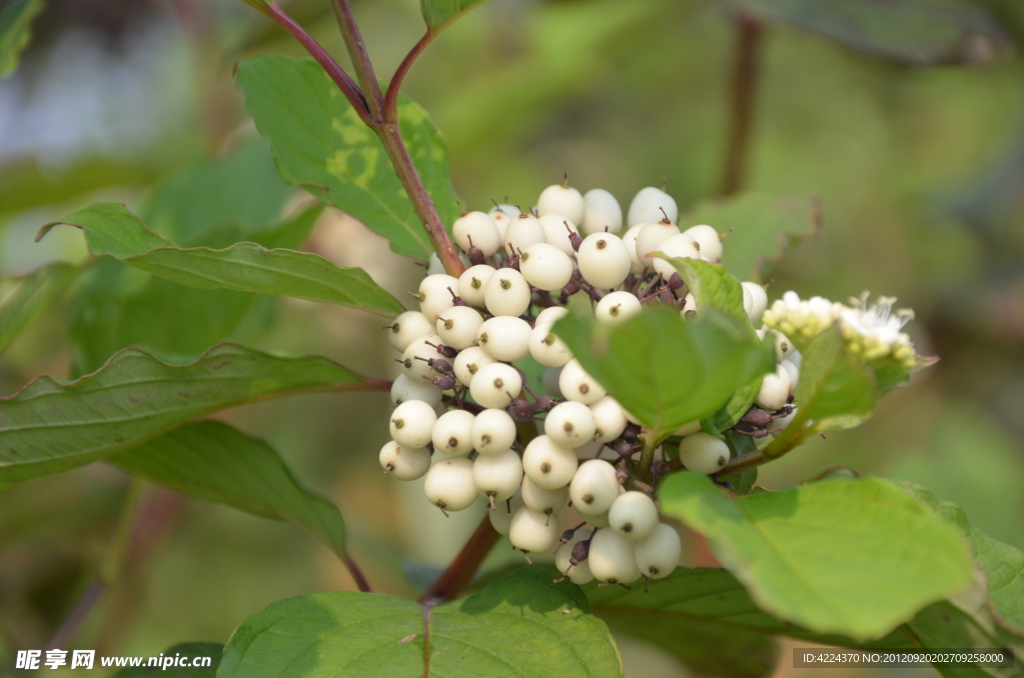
(713, 287)
(737, 406)
(522, 625)
(907, 32)
(182, 652)
(848, 557)
(764, 230)
(1003, 564)
(703, 616)
(664, 370)
(16, 31)
(211, 461)
(439, 13)
(833, 393)
(320, 144)
(242, 188)
(52, 425)
(22, 298)
(111, 230)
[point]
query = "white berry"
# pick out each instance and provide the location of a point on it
(551, 314)
(703, 453)
(570, 424)
(613, 559)
(783, 346)
(408, 327)
(658, 554)
(498, 476)
(449, 484)
(579, 573)
(636, 265)
(507, 293)
(594, 487)
(650, 238)
(458, 326)
(775, 389)
(403, 388)
(414, 359)
(543, 500)
(548, 465)
(495, 385)
(435, 297)
(502, 218)
(603, 260)
(477, 229)
(494, 431)
(469, 362)
(709, 241)
(616, 308)
(755, 301)
(609, 419)
(648, 204)
(548, 349)
(633, 515)
(556, 233)
(688, 428)
(794, 371)
(412, 423)
(533, 532)
(501, 515)
(545, 266)
(680, 246)
(561, 199)
(404, 463)
(601, 211)
(575, 384)
(505, 338)
(453, 433)
(473, 284)
(522, 232)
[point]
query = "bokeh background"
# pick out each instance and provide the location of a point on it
(920, 173)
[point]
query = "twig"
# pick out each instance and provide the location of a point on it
(360, 60)
(744, 86)
(391, 99)
(357, 574)
(349, 88)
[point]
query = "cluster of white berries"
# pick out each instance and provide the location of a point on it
(466, 417)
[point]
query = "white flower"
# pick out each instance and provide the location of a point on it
(799, 318)
(874, 332)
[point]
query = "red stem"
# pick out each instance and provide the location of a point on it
(391, 100)
(357, 574)
(347, 86)
(744, 87)
(360, 60)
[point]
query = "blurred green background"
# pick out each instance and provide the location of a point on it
(920, 172)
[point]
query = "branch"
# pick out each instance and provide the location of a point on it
(391, 100)
(743, 93)
(349, 88)
(360, 60)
